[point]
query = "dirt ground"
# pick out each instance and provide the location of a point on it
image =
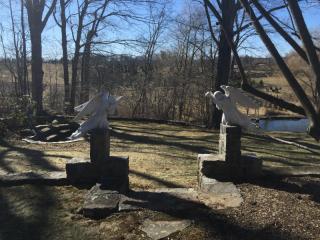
(162, 156)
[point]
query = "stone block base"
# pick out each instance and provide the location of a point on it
(214, 166)
(112, 173)
(251, 166)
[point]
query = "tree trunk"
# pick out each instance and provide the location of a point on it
(36, 25)
(74, 69)
(36, 67)
(65, 57)
(228, 9)
(85, 73)
(75, 60)
(24, 53)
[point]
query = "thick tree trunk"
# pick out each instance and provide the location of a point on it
(228, 9)
(36, 67)
(65, 56)
(36, 26)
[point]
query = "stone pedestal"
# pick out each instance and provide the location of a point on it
(229, 164)
(99, 145)
(111, 172)
(230, 143)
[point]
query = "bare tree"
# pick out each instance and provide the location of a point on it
(16, 63)
(35, 11)
(228, 13)
(155, 26)
(64, 45)
(98, 16)
(312, 114)
(230, 36)
(25, 88)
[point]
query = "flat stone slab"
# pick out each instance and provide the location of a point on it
(49, 178)
(219, 195)
(101, 202)
(161, 229)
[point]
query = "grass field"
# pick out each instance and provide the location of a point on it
(161, 156)
(165, 152)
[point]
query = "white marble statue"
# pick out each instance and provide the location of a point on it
(237, 96)
(99, 107)
(228, 104)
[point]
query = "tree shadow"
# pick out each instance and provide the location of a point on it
(35, 157)
(301, 185)
(207, 139)
(156, 179)
(217, 224)
(155, 127)
(22, 218)
(159, 141)
(313, 147)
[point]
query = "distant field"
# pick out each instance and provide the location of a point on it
(54, 87)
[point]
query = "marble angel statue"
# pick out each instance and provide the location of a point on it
(227, 102)
(99, 107)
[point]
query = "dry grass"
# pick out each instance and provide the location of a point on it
(160, 156)
(167, 153)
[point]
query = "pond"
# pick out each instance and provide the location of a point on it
(284, 124)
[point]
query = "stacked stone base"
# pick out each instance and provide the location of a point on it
(112, 174)
(214, 166)
(229, 164)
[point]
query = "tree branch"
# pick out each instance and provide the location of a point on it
(51, 8)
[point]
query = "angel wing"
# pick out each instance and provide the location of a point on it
(218, 98)
(81, 106)
(88, 107)
(231, 114)
(113, 103)
(237, 96)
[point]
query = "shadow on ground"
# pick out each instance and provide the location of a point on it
(159, 141)
(30, 156)
(301, 185)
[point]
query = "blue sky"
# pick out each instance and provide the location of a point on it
(51, 35)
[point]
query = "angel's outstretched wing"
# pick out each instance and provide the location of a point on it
(81, 107)
(237, 96)
(88, 107)
(218, 98)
